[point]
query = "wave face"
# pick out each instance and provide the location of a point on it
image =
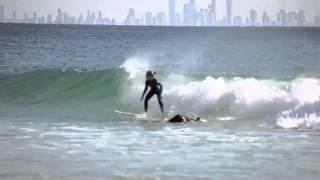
(56, 93)
(97, 93)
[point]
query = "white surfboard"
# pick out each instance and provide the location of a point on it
(126, 113)
(140, 117)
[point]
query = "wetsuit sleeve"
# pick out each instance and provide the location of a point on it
(145, 90)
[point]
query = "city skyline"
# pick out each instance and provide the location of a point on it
(190, 13)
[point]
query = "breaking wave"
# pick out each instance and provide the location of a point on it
(97, 93)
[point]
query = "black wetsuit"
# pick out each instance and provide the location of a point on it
(181, 119)
(156, 88)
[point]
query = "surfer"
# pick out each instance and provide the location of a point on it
(155, 88)
(181, 119)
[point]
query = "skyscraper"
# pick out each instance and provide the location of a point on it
(283, 17)
(59, 19)
(292, 18)
(237, 21)
(186, 14)
(25, 18)
(229, 12)
(161, 17)
(202, 17)
(100, 18)
(301, 19)
(66, 18)
(194, 12)
(14, 16)
(172, 12)
(49, 19)
(317, 20)
(189, 14)
(131, 17)
(213, 12)
(2, 16)
(149, 19)
(178, 19)
(253, 17)
(80, 19)
(35, 18)
(93, 18)
(265, 19)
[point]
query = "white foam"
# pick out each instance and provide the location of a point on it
(136, 67)
(308, 121)
(306, 90)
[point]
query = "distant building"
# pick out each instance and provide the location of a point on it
(317, 20)
(100, 18)
(266, 21)
(161, 18)
(14, 17)
(247, 21)
(202, 17)
(25, 18)
(211, 15)
(137, 22)
(34, 18)
(237, 21)
(178, 20)
(2, 14)
(49, 19)
(131, 17)
(154, 21)
(253, 17)
(93, 18)
(189, 13)
(59, 19)
(292, 18)
(42, 20)
(113, 22)
(301, 18)
(148, 19)
(229, 12)
(80, 19)
(283, 17)
(172, 12)
(66, 18)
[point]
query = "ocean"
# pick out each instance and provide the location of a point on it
(259, 89)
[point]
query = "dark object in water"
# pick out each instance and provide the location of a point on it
(180, 119)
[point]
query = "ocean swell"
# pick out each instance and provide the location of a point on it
(97, 93)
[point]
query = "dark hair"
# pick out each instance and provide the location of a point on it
(150, 73)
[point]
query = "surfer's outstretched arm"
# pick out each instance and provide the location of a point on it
(144, 91)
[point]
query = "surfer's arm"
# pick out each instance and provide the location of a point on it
(145, 90)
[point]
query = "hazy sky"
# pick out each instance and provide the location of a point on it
(118, 8)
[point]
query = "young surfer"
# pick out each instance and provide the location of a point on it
(155, 88)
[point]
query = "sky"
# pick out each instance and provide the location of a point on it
(118, 8)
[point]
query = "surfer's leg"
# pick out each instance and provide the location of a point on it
(160, 101)
(149, 95)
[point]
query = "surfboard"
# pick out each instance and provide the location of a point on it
(203, 120)
(126, 113)
(140, 117)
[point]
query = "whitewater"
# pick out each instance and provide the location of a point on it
(259, 89)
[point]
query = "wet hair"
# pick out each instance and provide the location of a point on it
(150, 74)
